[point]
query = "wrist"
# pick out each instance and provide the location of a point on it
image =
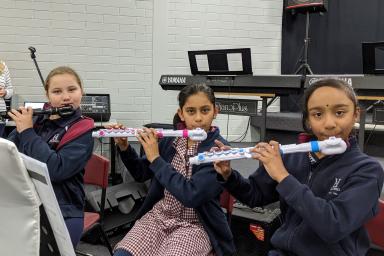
(123, 147)
(281, 177)
(227, 174)
(153, 158)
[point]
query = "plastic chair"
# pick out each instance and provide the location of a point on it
(96, 173)
(375, 228)
(226, 202)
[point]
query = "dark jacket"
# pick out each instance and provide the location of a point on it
(66, 164)
(324, 206)
(201, 191)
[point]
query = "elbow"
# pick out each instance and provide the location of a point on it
(333, 235)
(331, 238)
(192, 201)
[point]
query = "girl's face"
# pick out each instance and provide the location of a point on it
(64, 90)
(198, 112)
(331, 113)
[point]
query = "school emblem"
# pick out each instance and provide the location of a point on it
(335, 189)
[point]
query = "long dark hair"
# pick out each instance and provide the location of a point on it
(328, 82)
(183, 96)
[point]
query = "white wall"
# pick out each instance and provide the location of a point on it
(182, 25)
(108, 42)
(122, 47)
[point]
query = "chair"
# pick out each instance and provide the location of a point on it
(226, 202)
(375, 228)
(96, 173)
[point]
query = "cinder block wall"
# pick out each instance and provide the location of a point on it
(182, 25)
(122, 47)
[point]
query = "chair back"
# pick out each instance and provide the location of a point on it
(227, 201)
(96, 171)
(375, 227)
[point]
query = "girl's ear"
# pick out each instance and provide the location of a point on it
(180, 113)
(357, 114)
(216, 111)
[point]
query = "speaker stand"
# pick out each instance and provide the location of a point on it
(304, 68)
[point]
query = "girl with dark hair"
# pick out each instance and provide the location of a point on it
(181, 214)
(325, 200)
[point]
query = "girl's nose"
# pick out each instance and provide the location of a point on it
(66, 96)
(198, 117)
(329, 122)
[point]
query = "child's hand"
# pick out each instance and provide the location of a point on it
(222, 167)
(22, 118)
(148, 139)
(269, 155)
(121, 142)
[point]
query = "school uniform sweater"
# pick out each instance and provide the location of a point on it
(324, 206)
(65, 163)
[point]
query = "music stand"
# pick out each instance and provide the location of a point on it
(218, 62)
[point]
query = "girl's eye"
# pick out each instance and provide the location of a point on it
(316, 114)
(205, 110)
(190, 111)
(340, 113)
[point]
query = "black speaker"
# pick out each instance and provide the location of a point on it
(307, 5)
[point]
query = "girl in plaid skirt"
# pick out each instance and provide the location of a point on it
(181, 214)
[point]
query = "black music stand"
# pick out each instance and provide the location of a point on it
(218, 62)
(218, 66)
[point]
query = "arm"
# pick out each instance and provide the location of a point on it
(64, 163)
(137, 166)
(342, 214)
(258, 190)
(8, 83)
(193, 192)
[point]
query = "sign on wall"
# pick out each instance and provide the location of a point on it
(237, 106)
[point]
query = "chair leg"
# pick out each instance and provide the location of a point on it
(105, 239)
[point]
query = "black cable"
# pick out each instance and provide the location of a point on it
(244, 134)
(369, 136)
(228, 97)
